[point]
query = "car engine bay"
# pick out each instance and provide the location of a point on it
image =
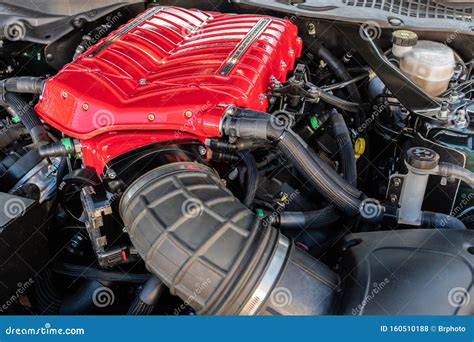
(237, 158)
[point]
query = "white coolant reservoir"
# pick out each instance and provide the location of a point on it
(430, 65)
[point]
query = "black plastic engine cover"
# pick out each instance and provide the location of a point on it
(408, 272)
(22, 246)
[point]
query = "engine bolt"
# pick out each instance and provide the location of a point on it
(151, 117)
(202, 150)
(64, 94)
(85, 106)
(393, 198)
(396, 182)
(188, 114)
(111, 174)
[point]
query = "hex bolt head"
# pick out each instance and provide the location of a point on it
(85, 106)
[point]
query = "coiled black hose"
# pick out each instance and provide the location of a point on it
(252, 177)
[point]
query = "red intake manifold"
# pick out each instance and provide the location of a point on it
(169, 73)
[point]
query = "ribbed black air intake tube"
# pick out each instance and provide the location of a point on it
(18, 106)
(214, 253)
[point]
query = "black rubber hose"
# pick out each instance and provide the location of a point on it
(79, 271)
(303, 158)
(355, 107)
(309, 219)
(329, 184)
(251, 182)
(29, 118)
(146, 300)
(344, 143)
(257, 125)
(440, 221)
(337, 68)
(23, 84)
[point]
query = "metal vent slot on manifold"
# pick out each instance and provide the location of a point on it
(417, 8)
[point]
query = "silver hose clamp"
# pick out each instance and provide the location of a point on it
(269, 278)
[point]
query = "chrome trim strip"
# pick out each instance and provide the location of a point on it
(269, 278)
(243, 46)
(130, 26)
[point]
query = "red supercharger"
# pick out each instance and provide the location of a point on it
(170, 73)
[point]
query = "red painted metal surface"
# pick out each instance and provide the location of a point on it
(170, 70)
